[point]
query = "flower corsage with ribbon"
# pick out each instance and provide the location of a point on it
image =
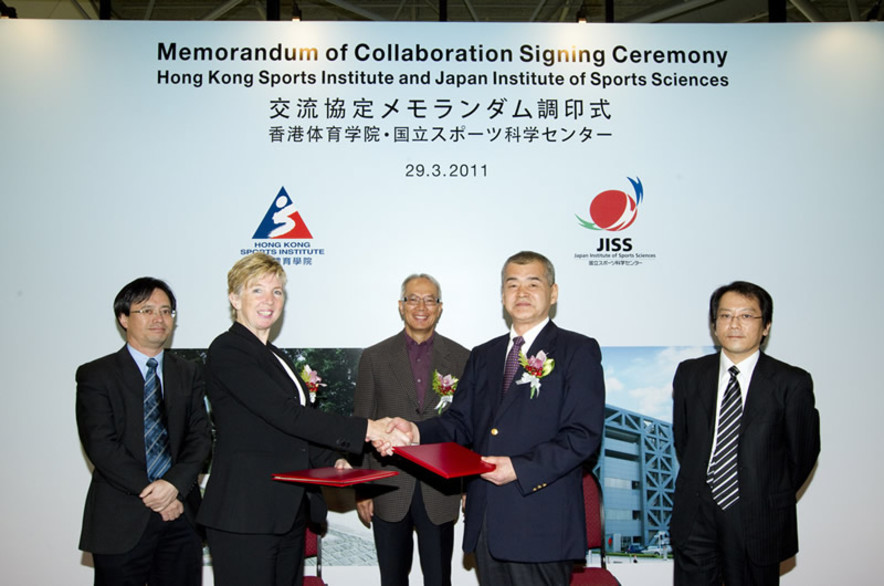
(444, 387)
(536, 367)
(313, 381)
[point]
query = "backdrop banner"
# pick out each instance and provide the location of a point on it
(650, 163)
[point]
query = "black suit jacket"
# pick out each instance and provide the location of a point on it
(385, 388)
(539, 517)
(110, 420)
(779, 444)
(261, 428)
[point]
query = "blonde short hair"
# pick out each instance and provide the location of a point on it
(251, 268)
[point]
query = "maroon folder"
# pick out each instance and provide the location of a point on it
(333, 476)
(449, 460)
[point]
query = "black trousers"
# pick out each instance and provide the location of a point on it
(394, 542)
(715, 553)
(246, 559)
(494, 572)
(168, 554)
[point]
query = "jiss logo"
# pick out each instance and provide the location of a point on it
(614, 210)
(614, 245)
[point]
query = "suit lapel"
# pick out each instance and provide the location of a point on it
(400, 366)
(274, 362)
(496, 363)
(275, 358)
(132, 379)
(758, 393)
(267, 353)
(441, 364)
(440, 356)
(172, 399)
(132, 384)
(546, 341)
(708, 391)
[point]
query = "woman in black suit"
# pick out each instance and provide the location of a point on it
(264, 425)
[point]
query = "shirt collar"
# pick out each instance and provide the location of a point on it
(528, 336)
(409, 341)
(746, 368)
(141, 360)
(747, 364)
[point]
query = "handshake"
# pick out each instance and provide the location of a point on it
(388, 433)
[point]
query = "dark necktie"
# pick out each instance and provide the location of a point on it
(156, 438)
(512, 363)
(723, 477)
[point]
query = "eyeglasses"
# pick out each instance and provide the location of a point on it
(414, 301)
(741, 318)
(152, 311)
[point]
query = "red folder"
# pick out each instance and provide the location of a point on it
(333, 476)
(449, 460)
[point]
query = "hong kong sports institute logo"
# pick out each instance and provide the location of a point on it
(282, 220)
(614, 210)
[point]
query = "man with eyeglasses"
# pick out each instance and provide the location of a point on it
(747, 437)
(143, 425)
(413, 375)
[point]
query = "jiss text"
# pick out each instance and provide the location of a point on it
(614, 245)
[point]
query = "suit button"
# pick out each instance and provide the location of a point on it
(494, 431)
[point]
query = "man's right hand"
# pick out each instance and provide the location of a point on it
(385, 434)
(173, 511)
(406, 427)
(365, 510)
(158, 495)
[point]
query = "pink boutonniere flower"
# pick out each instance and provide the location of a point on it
(444, 387)
(536, 367)
(313, 381)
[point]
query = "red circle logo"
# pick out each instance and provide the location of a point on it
(613, 210)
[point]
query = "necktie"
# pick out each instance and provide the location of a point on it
(722, 477)
(156, 438)
(512, 363)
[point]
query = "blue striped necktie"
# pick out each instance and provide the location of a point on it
(156, 437)
(723, 478)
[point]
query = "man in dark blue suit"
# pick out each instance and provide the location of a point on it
(747, 435)
(139, 519)
(532, 403)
